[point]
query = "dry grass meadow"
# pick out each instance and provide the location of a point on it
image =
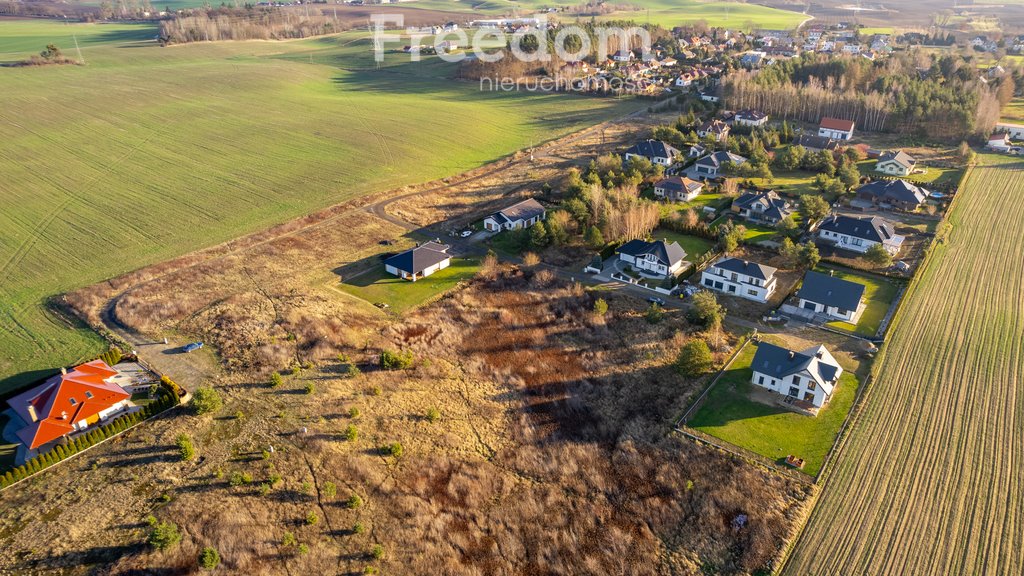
(550, 453)
(929, 480)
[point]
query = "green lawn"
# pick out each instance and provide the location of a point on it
(1014, 111)
(401, 295)
(878, 293)
(755, 233)
(698, 204)
(932, 176)
(695, 246)
(796, 182)
(147, 153)
(728, 413)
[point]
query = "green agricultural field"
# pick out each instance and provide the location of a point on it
(772, 431)
(147, 153)
(878, 294)
(22, 38)
(377, 286)
(668, 13)
(695, 246)
(927, 482)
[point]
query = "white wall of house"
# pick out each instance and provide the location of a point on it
(752, 123)
(414, 277)
(847, 242)
(800, 386)
(656, 160)
(491, 225)
(892, 167)
(835, 134)
(1016, 131)
(739, 285)
(830, 311)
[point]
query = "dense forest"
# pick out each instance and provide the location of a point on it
(943, 97)
(248, 23)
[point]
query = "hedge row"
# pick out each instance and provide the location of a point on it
(166, 399)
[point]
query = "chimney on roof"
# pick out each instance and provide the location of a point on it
(831, 272)
(819, 355)
(63, 371)
(791, 354)
(32, 412)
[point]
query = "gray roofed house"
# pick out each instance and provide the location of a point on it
(808, 376)
(520, 215)
(750, 118)
(740, 278)
(712, 164)
(767, 207)
(678, 189)
(837, 298)
(817, 143)
(419, 262)
(747, 268)
(660, 257)
(896, 163)
(656, 151)
(859, 234)
(896, 193)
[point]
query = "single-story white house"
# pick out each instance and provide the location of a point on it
(859, 234)
(678, 189)
(999, 142)
(809, 376)
(741, 278)
(661, 258)
(836, 129)
(520, 215)
(834, 297)
(896, 163)
(419, 262)
(656, 151)
(711, 165)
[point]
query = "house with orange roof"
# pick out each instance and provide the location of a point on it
(69, 402)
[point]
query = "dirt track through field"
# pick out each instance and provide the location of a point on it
(929, 480)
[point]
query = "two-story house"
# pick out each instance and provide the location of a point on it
(661, 258)
(810, 375)
(836, 129)
(741, 278)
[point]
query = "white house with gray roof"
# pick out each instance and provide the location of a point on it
(896, 163)
(741, 278)
(859, 234)
(834, 297)
(810, 375)
(420, 262)
(660, 258)
(521, 215)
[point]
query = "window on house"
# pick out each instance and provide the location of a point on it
(810, 385)
(842, 312)
(796, 379)
(708, 282)
(73, 401)
(88, 394)
(752, 292)
(794, 391)
(760, 380)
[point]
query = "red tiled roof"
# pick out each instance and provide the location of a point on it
(837, 124)
(65, 399)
